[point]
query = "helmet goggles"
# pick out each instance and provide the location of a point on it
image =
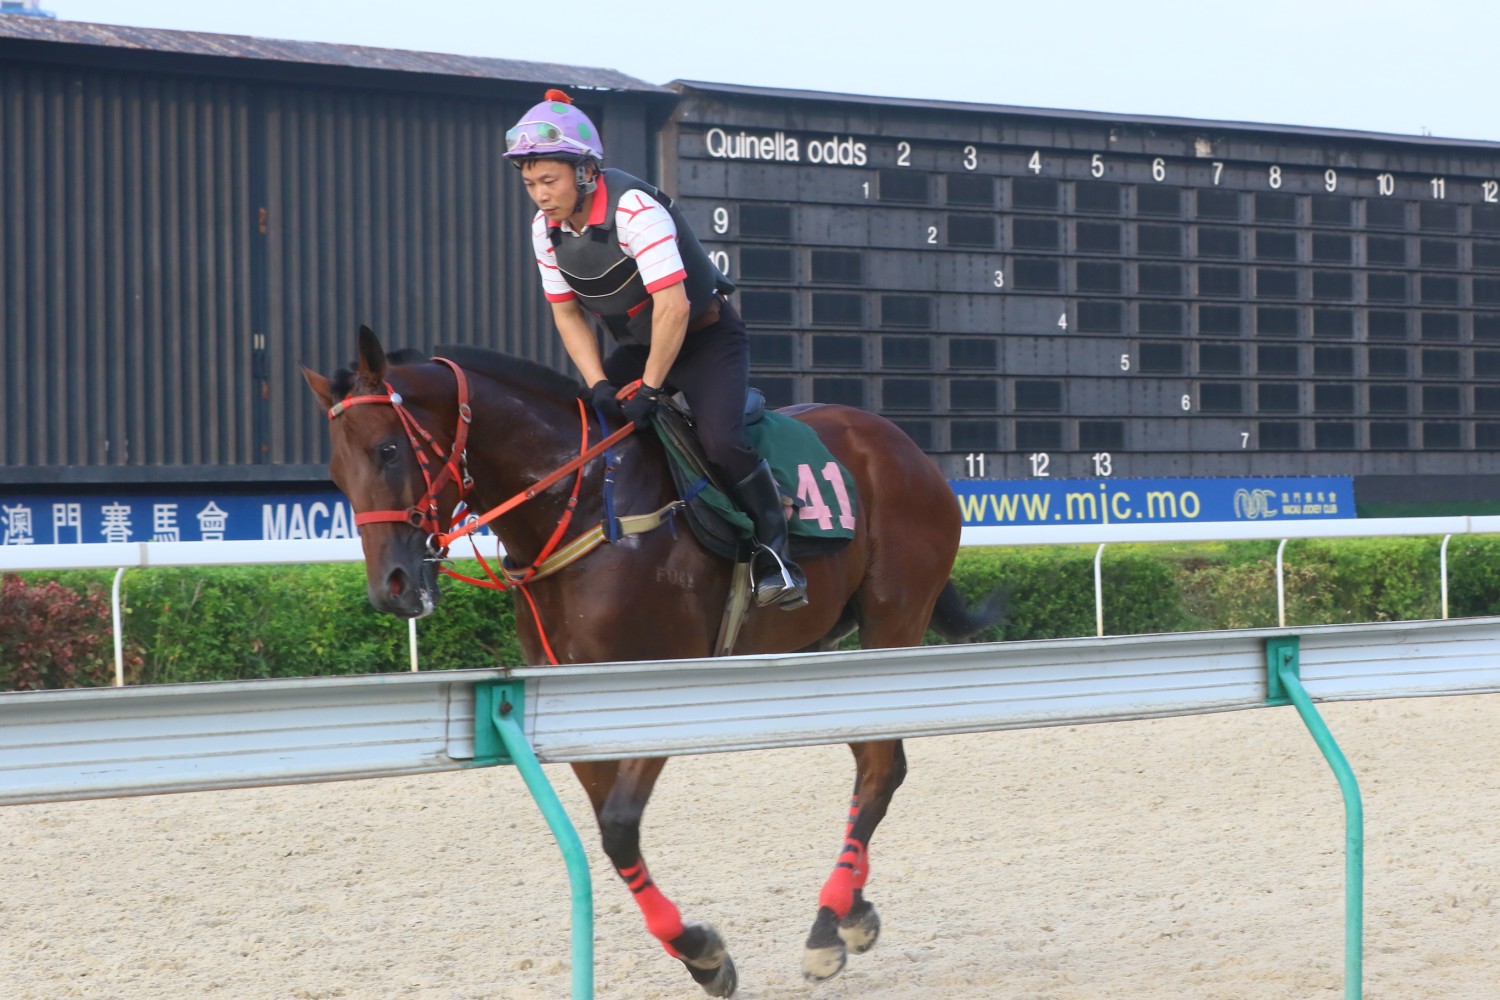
(542, 136)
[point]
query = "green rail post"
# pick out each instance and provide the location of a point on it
(500, 739)
(1284, 686)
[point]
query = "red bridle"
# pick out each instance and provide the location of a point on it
(424, 514)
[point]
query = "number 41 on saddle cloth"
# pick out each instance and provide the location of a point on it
(820, 490)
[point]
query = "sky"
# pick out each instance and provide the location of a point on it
(1376, 65)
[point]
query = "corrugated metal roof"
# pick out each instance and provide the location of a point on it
(196, 43)
(1100, 117)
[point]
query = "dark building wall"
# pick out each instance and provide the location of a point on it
(174, 244)
(124, 277)
(397, 211)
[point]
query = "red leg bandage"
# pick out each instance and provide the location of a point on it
(663, 921)
(850, 873)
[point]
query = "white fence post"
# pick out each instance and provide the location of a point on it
(1443, 570)
(1099, 591)
(1280, 587)
(119, 628)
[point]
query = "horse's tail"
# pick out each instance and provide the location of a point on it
(955, 621)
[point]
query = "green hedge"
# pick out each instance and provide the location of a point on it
(224, 623)
(234, 622)
(1051, 590)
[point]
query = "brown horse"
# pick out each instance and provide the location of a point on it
(655, 595)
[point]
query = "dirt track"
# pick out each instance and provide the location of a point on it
(1198, 858)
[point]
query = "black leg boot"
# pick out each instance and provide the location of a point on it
(778, 580)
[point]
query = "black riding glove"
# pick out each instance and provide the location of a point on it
(637, 408)
(602, 395)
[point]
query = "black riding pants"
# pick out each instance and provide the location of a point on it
(712, 371)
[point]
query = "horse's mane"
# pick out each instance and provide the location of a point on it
(481, 360)
(509, 368)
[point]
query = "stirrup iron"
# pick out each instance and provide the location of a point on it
(786, 597)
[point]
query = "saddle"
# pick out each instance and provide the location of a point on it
(821, 518)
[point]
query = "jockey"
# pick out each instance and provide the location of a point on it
(612, 244)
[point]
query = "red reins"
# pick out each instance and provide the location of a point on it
(585, 456)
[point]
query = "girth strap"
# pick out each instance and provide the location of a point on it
(512, 576)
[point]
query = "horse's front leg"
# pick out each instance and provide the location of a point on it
(619, 791)
(847, 921)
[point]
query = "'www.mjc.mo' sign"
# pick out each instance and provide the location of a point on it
(1145, 501)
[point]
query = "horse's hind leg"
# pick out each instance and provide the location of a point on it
(619, 791)
(893, 610)
(847, 921)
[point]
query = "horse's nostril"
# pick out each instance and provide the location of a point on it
(396, 583)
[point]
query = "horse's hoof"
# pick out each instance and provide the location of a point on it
(719, 982)
(707, 959)
(821, 964)
(824, 954)
(861, 928)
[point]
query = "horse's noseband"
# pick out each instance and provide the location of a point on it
(455, 466)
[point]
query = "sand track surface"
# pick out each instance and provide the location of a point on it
(1182, 858)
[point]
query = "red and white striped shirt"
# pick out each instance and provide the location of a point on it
(645, 232)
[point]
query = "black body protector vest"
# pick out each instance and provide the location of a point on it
(606, 279)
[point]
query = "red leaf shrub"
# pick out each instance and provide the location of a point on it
(54, 637)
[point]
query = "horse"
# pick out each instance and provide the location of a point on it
(497, 426)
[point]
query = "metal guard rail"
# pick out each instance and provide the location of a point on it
(95, 743)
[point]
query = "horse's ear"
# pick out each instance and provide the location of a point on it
(371, 355)
(319, 384)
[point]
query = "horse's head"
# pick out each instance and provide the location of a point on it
(376, 466)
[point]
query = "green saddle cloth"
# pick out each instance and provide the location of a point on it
(822, 490)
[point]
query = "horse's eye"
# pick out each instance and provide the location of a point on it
(388, 453)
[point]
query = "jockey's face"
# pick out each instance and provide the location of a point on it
(553, 185)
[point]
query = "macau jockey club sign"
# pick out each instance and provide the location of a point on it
(206, 517)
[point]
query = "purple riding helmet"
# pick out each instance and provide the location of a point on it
(556, 130)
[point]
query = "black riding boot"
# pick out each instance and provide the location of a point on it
(778, 580)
